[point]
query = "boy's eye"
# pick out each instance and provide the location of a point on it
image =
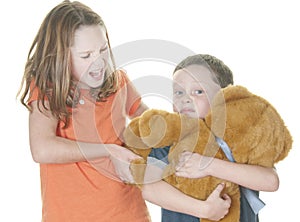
(198, 92)
(178, 93)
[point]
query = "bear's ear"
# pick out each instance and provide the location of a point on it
(226, 111)
(159, 128)
(131, 135)
(288, 142)
(156, 126)
(216, 118)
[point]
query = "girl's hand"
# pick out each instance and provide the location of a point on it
(193, 165)
(121, 158)
(217, 205)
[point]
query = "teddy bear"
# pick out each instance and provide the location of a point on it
(249, 124)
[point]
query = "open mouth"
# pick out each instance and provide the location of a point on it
(96, 74)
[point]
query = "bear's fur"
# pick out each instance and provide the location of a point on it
(249, 124)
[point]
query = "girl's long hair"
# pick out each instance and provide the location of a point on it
(48, 66)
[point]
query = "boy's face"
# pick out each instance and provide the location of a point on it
(193, 91)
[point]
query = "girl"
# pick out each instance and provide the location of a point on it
(78, 105)
(71, 86)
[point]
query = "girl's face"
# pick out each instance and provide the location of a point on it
(89, 56)
(193, 91)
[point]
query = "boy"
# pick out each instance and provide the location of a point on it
(197, 79)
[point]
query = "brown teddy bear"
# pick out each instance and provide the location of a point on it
(249, 124)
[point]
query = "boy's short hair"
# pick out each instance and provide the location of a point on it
(221, 71)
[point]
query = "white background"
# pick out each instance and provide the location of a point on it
(258, 40)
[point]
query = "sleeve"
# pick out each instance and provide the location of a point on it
(160, 154)
(133, 97)
(246, 212)
(159, 157)
(33, 93)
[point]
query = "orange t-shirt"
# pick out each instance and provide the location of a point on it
(86, 191)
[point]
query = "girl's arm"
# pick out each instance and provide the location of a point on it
(168, 197)
(142, 108)
(46, 147)
(251, 176)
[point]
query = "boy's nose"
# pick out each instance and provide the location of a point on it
(187, 99)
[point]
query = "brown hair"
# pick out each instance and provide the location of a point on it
(48, 62)
(222, 72)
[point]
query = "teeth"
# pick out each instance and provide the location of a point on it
(95, 74)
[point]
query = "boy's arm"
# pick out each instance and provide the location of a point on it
(168, 197)
(251, 176)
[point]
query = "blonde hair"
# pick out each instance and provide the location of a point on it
(48, 62)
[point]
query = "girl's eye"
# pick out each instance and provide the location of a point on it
(90, 54)
(86, 56)
(104, 49)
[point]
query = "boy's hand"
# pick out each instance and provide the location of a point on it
(217, 205)
(193, 165)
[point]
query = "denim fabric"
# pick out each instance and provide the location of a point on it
(171, 216)
(167, 215)
(160, 153)
(246, 215)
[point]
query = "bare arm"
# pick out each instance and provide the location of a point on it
(214, 208)
(251, 176)
(168, 197)
(158, 192)
(142, 108)
(261, 178)
(46, 147)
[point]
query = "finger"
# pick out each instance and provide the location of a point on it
(181, 173)
(185, 155)
(122, 178)
(129, 180)
(184, 158)
(179, 165)
(219, 189)
(227, 198)
(126, 178)
(133, 157)
(183, 166)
